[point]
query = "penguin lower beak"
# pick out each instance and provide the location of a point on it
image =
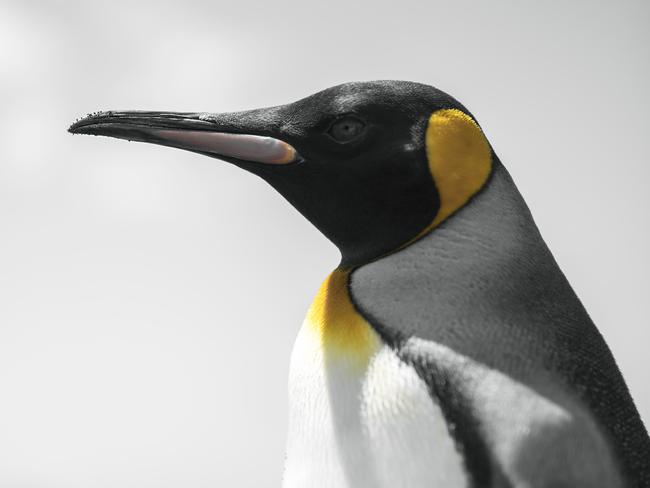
(224, 136)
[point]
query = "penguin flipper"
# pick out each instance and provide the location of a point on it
(509, 433)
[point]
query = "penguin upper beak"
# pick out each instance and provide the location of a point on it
(241, 137)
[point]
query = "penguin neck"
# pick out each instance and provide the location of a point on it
(493, 224)
(485, 253)
(493, 233)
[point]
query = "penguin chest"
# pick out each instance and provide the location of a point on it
(358, 415)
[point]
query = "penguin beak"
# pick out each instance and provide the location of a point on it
(237, 137)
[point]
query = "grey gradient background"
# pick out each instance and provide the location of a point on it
(149, 297)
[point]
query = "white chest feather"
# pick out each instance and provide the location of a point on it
(364, 423)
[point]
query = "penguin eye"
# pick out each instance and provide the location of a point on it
(346, 129)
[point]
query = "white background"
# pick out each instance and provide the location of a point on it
(149, 297)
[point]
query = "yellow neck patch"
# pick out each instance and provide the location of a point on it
(459, 159)
(341, 329)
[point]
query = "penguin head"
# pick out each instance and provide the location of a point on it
(373, 165)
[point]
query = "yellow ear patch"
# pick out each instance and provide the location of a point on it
(459, 158)
(342, 331)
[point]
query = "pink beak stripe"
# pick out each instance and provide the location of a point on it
(259, 149)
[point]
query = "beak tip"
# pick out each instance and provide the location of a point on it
(77, 128)
(82, 125)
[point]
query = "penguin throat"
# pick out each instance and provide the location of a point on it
(342, 331)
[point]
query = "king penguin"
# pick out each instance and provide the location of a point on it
(447, 349)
